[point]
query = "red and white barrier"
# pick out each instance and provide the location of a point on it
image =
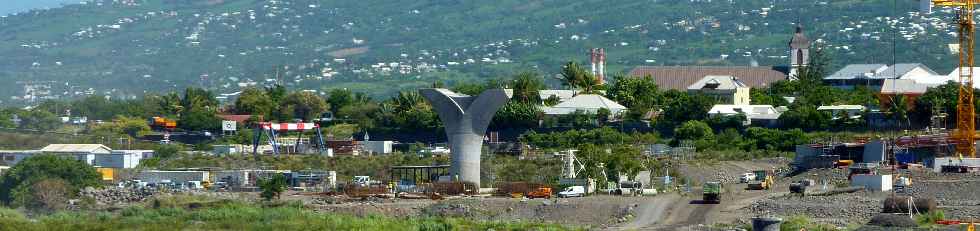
(289, 126)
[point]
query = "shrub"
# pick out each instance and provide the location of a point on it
(16, 184)
(50, 194)
(930, 218)
(273, 186)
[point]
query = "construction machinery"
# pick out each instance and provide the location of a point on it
(763, 180)
(711, 192)
(799, 187)
(163, 123)
(843, 163)
(965, 133)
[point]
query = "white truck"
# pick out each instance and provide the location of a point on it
(364, 181)
(573, 191)
(746, 177)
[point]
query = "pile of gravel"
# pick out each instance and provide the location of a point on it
(892, 220)
(114, 196)
(844, 208)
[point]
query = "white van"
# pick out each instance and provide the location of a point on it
(573, 191)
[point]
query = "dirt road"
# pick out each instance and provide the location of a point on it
(675, 211)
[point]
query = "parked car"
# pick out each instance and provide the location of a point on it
(573, 191)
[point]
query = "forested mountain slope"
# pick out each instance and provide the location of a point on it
(125, 48)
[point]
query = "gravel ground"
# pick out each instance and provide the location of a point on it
(840, 209)
(956, 194)
(728, 172)
(594, 212)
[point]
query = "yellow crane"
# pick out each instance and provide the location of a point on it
(965, 133)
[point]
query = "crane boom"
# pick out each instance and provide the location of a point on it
(965, 133)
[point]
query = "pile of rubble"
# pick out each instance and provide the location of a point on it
(955, 194)
(113, 196)
(840, 209)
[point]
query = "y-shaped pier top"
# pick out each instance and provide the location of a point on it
(466, 119)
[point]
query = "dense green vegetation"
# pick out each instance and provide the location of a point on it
(46, 181)
(196, 213)
(161, 45)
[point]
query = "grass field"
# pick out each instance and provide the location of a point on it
(204, 214)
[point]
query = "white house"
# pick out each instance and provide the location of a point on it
(93, 154)
(122, 158)
(873, 76)
(765, 115)
(852, 111)
(724, 88)
(561, 95)
(82, 152)
(587, 103)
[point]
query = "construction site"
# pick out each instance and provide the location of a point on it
(582, 160)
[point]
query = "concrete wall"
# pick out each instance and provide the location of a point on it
(876, 183)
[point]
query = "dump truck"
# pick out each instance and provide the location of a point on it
(763, 180)
(711, 192)
(801, 186)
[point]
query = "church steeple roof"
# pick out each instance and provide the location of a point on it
(799, 40)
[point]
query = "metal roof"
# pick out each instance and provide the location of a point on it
(75, 148)
(841, 107)
(855, 71)
(750, 111)
(904, 86)
(900, 69)
(877, 71)
(584, 102)
(590, 101)
(720, 82)
(680, 77)
(561, 94)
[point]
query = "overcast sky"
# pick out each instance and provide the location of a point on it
(14, 6)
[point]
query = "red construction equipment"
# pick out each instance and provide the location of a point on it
(163, 123)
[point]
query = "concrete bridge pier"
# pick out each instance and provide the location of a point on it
(466, 119)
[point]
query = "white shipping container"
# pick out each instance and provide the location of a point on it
(876, 183)
(378, 147)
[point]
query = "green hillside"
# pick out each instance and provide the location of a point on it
(128, 48)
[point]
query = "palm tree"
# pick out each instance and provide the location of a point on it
(408, 99)
(171, 103)
(526, 86)
(575, 76)
(898, 109)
